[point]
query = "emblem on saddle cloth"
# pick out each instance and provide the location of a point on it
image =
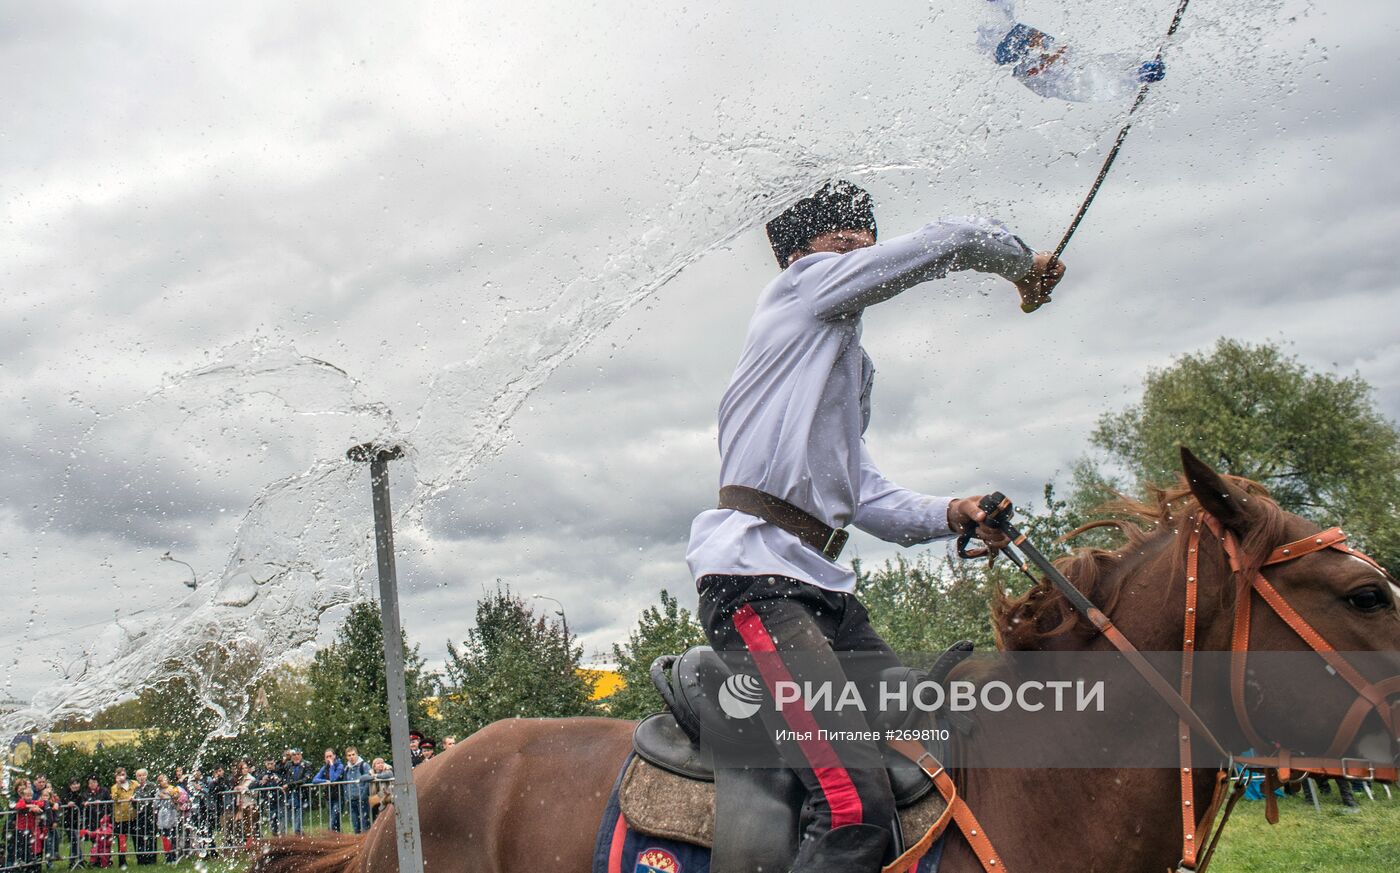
(656, 860)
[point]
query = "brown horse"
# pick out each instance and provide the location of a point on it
(529, 794)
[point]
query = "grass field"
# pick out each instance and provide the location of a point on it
(1305, 841)
(196, 865)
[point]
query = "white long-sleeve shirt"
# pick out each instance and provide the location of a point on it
(792, 419)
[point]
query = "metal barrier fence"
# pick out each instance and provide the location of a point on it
(163, 829)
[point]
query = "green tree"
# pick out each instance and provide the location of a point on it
(67, 761)
(1315, 440)
(922, 605)
(338, 699)
(348, 695)
(661, 630)
(925, 604)
(513, 664)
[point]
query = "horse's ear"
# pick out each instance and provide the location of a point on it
(1233, 506)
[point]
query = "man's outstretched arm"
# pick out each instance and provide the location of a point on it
(838, 285)
(899, 515)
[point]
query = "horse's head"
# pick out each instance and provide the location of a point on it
(1285, 585)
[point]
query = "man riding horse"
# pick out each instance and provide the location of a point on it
(795, 471)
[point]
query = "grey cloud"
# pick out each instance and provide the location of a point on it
(305, 173)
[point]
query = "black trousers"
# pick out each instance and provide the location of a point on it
(794, 630)
(122, 832)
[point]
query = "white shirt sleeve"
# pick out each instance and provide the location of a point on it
(836, 285)
(896, 514)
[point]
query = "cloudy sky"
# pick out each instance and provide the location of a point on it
(238, 239)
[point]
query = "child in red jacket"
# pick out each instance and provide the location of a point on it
(101, 838)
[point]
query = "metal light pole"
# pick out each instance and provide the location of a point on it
(406, 828)
(194, 580)
(563, 619)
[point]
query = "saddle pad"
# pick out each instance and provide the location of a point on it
(659, 803)
(656, 803)
(624, 849)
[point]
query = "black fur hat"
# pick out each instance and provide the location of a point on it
(837, 206)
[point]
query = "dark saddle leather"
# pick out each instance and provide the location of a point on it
(757, 809)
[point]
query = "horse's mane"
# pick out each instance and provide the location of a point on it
(1042, 618)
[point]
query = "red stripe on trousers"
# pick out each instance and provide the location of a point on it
(835, 780)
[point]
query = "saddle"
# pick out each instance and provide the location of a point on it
(754, 812)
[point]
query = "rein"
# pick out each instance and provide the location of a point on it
(1277, 768)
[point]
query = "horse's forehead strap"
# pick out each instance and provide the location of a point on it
(1328, 539)
(1332, 538)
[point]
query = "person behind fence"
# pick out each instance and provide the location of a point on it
(331, 774)
(295, 775)
(43, 807)
(167, 815)
(381, 788)
(184, 831)
(218, 793)
(201, 813)
(19, 836)
(144, 826)
(123, 814)
(46, 806)
(100, 834)
(268, 787)
(71, 820)
(97, 803)
(245, 805)
(50, 825)
(43, 791)
(358, 774)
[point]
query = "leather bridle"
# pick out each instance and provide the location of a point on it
(1278, 767)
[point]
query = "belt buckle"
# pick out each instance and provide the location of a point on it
(835, 543)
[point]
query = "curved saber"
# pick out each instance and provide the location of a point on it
(1112, 155)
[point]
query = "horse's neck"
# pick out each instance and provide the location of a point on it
(1076, 821)
(1089, 819)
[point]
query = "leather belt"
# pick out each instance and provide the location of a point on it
(778, 512)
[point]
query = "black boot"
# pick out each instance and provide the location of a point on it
(858, 848)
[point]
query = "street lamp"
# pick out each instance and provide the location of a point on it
(563, 619)
(194, 581)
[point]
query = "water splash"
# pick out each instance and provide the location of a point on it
(303, 545)
(289, 562)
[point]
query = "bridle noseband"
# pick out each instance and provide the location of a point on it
(1201, 834)
(1278, 767)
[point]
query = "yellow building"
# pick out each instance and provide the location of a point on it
(605, 683)
(22, 746)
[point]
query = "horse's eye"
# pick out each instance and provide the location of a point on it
(1368, 599)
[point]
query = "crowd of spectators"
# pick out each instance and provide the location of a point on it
(93, 824)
